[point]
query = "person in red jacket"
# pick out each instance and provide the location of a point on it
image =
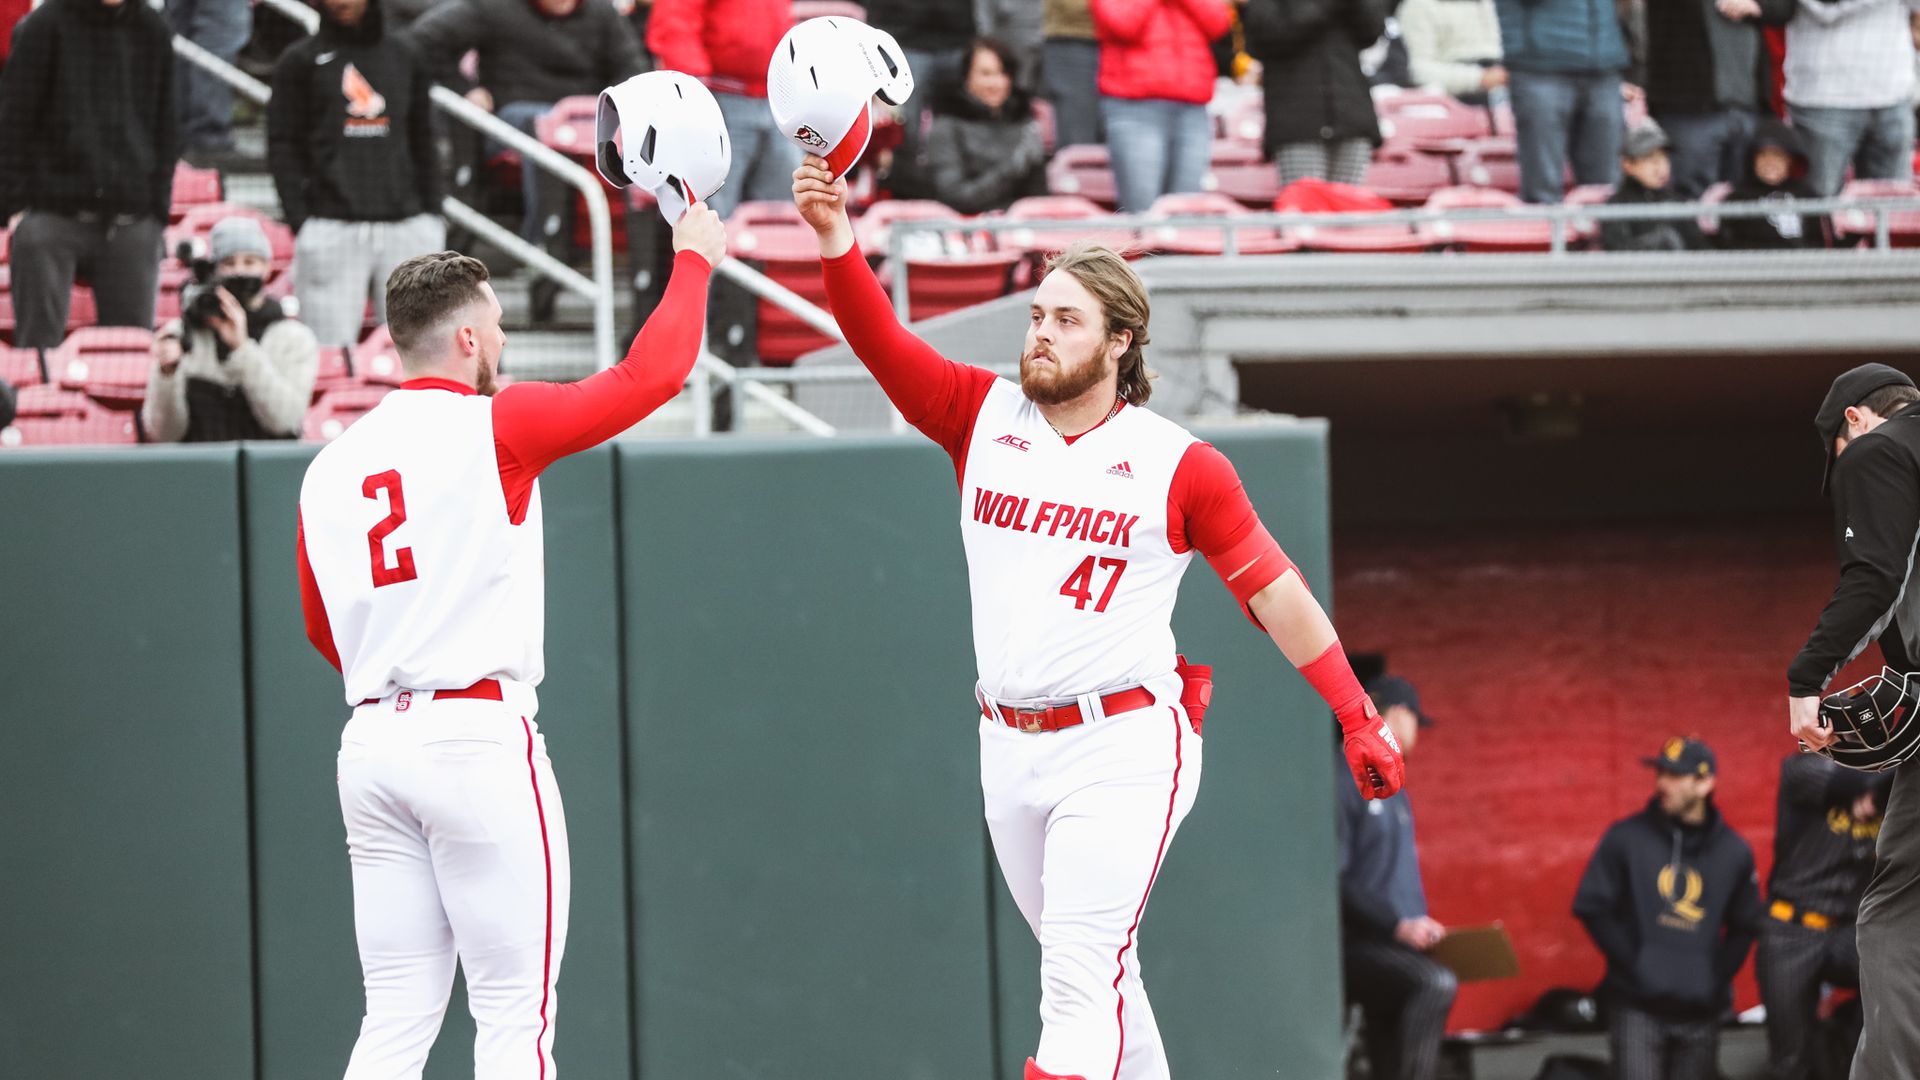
(1156, 77)
(728, 44)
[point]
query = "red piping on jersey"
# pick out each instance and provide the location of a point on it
(1166, 830)
(546, 852)
(319, 630)
(1071, 439)
(434, 382)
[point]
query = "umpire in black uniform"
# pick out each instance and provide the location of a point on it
(1822, 854)
(1869, 427)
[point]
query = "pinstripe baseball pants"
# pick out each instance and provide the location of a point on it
(1405, 997)
(1646, 1047)
(1792, 963)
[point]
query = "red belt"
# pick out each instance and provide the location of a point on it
(484, 690)
(1055, 717)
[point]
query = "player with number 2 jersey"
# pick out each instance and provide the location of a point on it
(1079, 511)
(421, 576)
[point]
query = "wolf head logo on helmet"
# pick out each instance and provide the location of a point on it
(663, 131)
(1876, 722)
(822, 81)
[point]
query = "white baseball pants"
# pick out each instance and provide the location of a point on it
(459, 850)
(1081, 821)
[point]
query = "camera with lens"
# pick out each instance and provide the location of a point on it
(199, 296)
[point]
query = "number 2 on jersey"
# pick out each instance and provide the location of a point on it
(1079, 584)
(402, 570)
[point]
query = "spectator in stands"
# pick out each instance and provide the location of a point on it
(1648, 179)
(1776, 170)
(1564, 59)
(1454, 45)
(350, 142)
(1849, 75)
(11, 12)
(532, 53)
(1709, 78)
(86, 161)
(936, 36)
(728, 44)
(234, 366)
(1156, 77)
(984, 150)
(1385, 929)
(1070, 73)
(1320, 119)
(204, 101)
(1823, 842)
(1670, 899)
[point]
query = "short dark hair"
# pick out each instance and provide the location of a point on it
(423, 291)
(1889, 399)
(1001, 51)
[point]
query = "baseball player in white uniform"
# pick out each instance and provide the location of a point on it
(422, 580)
(1080, 510)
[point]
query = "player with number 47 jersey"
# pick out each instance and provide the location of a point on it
(421, 575)
(1080, 510)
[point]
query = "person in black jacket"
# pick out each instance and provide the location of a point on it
(1320, 118)
(1646, 178)
(1671, 899)
(1776, 171)
(1385, 930)
(936, 36)
(1869, 427)
(88, 143)
(984, 149)
(350, 142)
(1709, 80)
(1827, 822)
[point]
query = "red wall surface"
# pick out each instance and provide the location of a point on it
(1553, 658)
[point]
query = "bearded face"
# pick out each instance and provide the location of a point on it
(1067, 353)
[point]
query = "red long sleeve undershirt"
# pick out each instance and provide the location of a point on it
(1207, 508)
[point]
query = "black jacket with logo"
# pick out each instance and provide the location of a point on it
(86, 112)
(1822, 854)
(1876, 523)
(349, 132)
(1785, 229)
(1674, 909)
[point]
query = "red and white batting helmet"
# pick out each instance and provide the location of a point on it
(663, 131)
(822, 81)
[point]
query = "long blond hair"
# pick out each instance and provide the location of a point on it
(1123, 303)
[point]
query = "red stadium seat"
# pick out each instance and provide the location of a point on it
(51, 416)
(335, 371)
(338, 409)
(1245, 122)
(80, 308)
(198, 221)
(110, 364)
(1903, 227)
(1407, 177)
(773, 235)
(376, 361)
(1083, 171)
(6, 315)
(1422, 119)
(1324, 197)
(1191, 240)
(770, 231)
(1492, 162)
(1062, 208)
(567, 129)
(1485, 236)
(1585, 231)
(937, 286)
(874, 233)
(20, 367)
(193, 187)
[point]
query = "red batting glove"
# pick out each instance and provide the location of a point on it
(1372, 752)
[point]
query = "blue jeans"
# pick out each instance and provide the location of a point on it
(1879, 143)
(1557, 117)
(763, 158)
(1070, 79)
(538, 223)
(202, 102)
(1708, 148)
(1158, 147)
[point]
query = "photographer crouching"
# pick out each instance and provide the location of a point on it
(235, 365)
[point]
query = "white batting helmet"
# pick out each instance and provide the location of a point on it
(663, 131)
(822, 80)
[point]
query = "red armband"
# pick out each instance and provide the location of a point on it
(1333, 679)
(1251, 565)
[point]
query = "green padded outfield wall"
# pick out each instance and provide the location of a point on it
(124, 931)
(779, 865)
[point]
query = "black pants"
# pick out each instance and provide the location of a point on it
(120, 261)
(1889, 933)
(1646, 1047)
(1405, 997)
(1792, 964)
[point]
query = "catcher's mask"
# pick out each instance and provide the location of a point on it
(1877, 721)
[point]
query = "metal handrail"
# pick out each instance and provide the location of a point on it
(598, 289)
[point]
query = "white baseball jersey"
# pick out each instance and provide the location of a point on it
(427, 582)
(1073, 575)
